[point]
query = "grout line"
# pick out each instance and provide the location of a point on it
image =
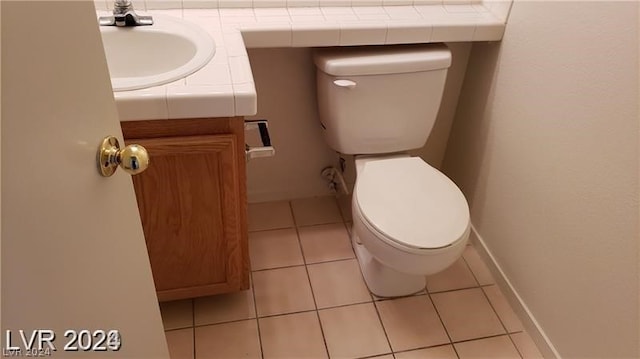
(487, 337)
(384, 299)
(296, 226)
(305, 264)
(320, 224)
(276, 268)
(332, 261)
(376, 356)
(310, 310)
(380, 299)
(422, 348)
(514, 344)
(495, 311)
(255, 308)
(453, 290)
(306, 269)
(442, 322)
(256, 318)
(504, 326)
(469, 267)
(176, 329)
(271, 229)
(345, 305)
(384, 330)
(452, 343)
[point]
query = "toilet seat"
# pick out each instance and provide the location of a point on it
(411, 205)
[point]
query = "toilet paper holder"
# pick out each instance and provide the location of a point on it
(265, 149)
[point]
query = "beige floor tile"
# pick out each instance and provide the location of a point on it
(477, 265)
(274, 249)
(270, 215)
(526, 345)
(338, 283)
(282, 291)
(325, 243)
(496, 347)
(180, 343)
(292, 336)
(316, 210)
(224, 308)
(506, 314)
(388, 356)
(177, 314)
(457, 276)
(467, 314)
(229, 340)
(411, 323)
(353, 331)
(441, 352)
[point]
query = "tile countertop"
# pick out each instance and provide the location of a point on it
(225, 87)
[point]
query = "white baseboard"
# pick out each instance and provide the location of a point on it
(519, 306)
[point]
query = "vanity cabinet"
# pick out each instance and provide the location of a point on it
(192, 202)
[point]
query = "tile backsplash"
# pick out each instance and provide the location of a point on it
(212, 4)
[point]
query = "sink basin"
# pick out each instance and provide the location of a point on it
(146, 56)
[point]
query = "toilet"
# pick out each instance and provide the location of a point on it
(409, 219)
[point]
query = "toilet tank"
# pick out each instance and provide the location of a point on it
(380, 99)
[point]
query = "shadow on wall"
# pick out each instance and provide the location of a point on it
(285, 82)
(465, 155)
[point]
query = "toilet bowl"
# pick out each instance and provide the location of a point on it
(409, 221)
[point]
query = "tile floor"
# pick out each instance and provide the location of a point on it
(308, 300)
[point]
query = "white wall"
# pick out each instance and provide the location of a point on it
(545, 147)
(285, 82)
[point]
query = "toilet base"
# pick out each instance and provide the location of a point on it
(382, 280)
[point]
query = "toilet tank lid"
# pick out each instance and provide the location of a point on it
(377, 60)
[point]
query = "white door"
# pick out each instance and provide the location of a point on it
(73, 251)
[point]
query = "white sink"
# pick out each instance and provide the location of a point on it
(146, 56)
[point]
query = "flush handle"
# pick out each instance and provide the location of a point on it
(345, 83)
(133, 159)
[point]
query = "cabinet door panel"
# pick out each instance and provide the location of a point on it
(190, 208)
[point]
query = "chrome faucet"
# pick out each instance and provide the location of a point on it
(124, 15)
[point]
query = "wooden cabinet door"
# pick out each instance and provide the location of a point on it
(190, 204)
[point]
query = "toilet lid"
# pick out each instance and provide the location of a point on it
(411, 203)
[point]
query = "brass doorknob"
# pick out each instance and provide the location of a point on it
(133, 158)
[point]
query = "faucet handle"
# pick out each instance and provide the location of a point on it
(132, 19)
(144, 20)
(125, 15)
(129, 19)
(107, 20)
